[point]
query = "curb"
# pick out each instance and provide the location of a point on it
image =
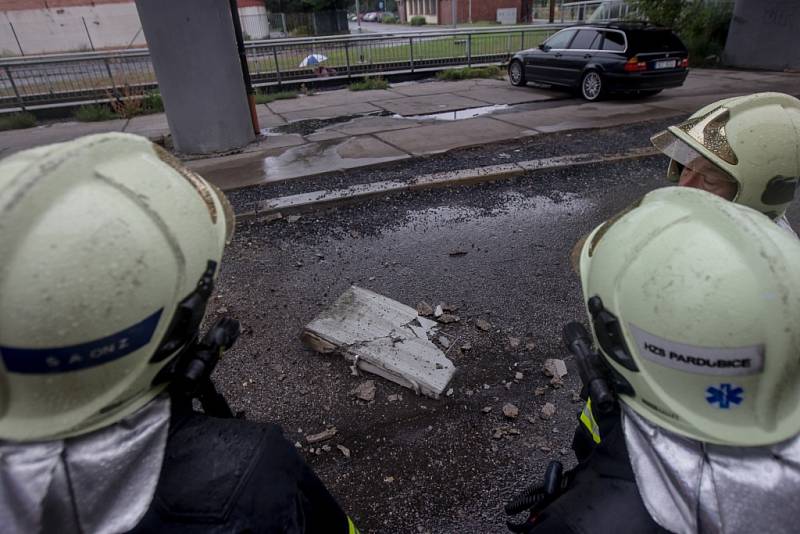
(276, 208)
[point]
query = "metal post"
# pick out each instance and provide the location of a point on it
(553, 11)
(470, 11)
(283, 21)
(469, 50)
(14, 87)
(358, 15)
(87, 33)
(411, 51)
(454, 5)
(347, 57)
(277, 67)
(110, 76)
(248, 83)
(16, 38)
(522, 40)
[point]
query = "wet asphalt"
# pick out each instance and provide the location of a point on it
(417, 464)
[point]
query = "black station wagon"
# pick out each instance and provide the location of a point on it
(635, 58)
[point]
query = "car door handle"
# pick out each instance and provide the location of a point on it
(587, 56)
(557, 54)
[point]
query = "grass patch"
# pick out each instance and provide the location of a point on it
(468, 73)
(266, 98)
(152, 103)
(17, 121)
(94, 113)
(368, 84)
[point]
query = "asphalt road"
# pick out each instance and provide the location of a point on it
(419, 465)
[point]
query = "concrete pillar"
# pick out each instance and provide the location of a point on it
(763, 35)
(193, 50)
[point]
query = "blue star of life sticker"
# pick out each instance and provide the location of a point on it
(724, 395)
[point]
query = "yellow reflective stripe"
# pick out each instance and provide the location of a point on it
(587, 418)
(351, 528)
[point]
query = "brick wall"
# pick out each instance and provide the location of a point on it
(481, 10)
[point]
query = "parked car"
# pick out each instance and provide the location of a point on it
(372, 16)
(636, 58)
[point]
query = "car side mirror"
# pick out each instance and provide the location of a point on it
(543, 47)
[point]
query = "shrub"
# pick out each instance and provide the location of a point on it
(389, 18)
(266, 98)
(369, 83)
(703, 27)
(470, 72)
(301, 31)
(152, 103)
(417, 21)
(16, 121)
(94, 113)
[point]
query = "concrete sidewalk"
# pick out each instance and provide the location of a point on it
(386, 125)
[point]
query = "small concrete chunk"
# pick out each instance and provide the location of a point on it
(447, 318)
(518, 376)
(466, 347)
(365, 391)
(483, 325)
(344, 450)
(514, 342)
(444, 342)
(322, 436)
(548, 410)
(438, 311)
(510, 411)
(555, 368)
(424, 309)
(486, 409)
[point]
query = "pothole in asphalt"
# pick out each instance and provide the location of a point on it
(461, 114)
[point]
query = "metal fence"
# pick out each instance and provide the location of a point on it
(67, 79)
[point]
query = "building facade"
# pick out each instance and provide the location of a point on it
(441, 11)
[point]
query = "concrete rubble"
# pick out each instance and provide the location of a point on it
(483, 325)
(384, 337)
(365, 391)
(548, 411)
(510, 411)
(322, 436)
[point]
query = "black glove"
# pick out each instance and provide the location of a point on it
(537, 498)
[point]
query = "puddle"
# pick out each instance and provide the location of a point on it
(462, 114)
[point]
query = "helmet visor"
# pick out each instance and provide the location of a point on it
(695, 169)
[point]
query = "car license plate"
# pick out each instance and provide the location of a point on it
(665, 64)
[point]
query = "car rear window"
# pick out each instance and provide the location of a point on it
(655, 41)
(614, 41)
(586, 40)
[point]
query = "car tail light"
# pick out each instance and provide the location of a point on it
(684, 63)
(634, 65)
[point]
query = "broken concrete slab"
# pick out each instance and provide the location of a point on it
(329, 99)
(554, 367)
(423, 105)
(509, 95)
(357, 108)
(432, 88)
(368, 125)
(444, 136)
(374, 333)
(594, 115)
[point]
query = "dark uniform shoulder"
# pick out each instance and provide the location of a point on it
(230, 475)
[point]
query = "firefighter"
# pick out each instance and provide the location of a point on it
(109, 249)
(697, 340)
(745, 149)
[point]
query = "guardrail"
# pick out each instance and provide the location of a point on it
(34, 82)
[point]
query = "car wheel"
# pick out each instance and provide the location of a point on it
(591, 85)
(516, 73)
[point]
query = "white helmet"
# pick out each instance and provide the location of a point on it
(108, 252)
(754, 140)
(695, 305)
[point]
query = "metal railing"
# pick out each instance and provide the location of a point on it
(66, 79)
